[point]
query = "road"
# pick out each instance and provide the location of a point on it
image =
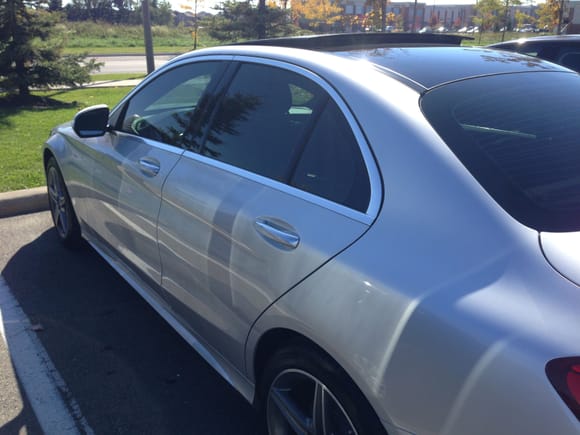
(121, 364)
(129, 63)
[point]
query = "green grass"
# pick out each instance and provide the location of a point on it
(24, 130)
(100, 51)
(104, 38)
(118, 76)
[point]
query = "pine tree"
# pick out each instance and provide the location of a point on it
(31, 49)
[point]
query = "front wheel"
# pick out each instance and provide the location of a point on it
(61, 209)
(304, 391)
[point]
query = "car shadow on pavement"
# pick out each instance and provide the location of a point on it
(126, 368)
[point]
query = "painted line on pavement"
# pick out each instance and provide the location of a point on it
(55, 408)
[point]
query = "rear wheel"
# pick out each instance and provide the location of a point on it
(303, 391)
(61, 209)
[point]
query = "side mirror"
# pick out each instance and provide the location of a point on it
(92, 121)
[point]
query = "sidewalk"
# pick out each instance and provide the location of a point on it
(112, 83)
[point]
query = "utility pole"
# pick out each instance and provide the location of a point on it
(148, 38)
(195, 25)
(560, 17)
(505, 19)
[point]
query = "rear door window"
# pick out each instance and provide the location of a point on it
(281, 125)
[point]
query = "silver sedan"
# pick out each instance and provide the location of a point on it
(361, 235)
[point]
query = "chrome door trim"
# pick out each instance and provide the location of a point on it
(152, 143)
(276, 233)
(149, 166)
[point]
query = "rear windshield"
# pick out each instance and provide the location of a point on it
(519, 135)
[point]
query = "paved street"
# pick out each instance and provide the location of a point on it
(129, 63)
(121, 364)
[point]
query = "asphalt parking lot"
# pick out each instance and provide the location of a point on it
(125, 368)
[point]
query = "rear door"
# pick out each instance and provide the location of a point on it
(282, 183)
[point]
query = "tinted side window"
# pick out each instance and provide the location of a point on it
(281, 125)
(169, 108)
(332, 166)
(262, 120)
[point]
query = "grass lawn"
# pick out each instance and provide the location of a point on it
(118, 76)
(105, 38)
(24, 130)
(480, 39)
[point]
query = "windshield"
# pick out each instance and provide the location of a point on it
(519, 135)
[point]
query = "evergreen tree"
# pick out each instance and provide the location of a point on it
(31, 51)
(241, 20)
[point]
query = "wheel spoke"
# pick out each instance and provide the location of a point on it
(53, 194)
(318, 415)
(300, 423)
(52, 187)
(55, 216)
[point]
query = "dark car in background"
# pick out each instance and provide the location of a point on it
(561, 49)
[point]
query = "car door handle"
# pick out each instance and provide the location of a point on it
(149, 166)
(278, 233)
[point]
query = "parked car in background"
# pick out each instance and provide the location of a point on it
(528, 28)
(358, 237)
(561, 49)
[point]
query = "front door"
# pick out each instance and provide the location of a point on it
(132, 162)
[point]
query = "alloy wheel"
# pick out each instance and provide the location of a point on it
(58, 202)
(298, 403)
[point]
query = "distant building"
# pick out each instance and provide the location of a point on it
(403, 12)
(572, 15)
(451, 16)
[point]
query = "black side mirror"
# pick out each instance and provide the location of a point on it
(92, 121)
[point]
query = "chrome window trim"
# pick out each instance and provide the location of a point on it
(368, 158)
(166, 68)
(153, 143)
(358, 216)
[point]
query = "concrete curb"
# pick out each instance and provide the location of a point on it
(23, 201)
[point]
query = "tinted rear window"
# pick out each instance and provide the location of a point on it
(519, 135)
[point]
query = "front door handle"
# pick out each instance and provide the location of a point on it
(278, 233)
(149, 166)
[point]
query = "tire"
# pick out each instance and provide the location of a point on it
(303, 391)
(61, 208)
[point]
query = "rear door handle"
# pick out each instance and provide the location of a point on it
(278, 233)
(149, 166)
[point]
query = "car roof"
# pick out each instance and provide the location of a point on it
(433, 66)
(421, 61)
